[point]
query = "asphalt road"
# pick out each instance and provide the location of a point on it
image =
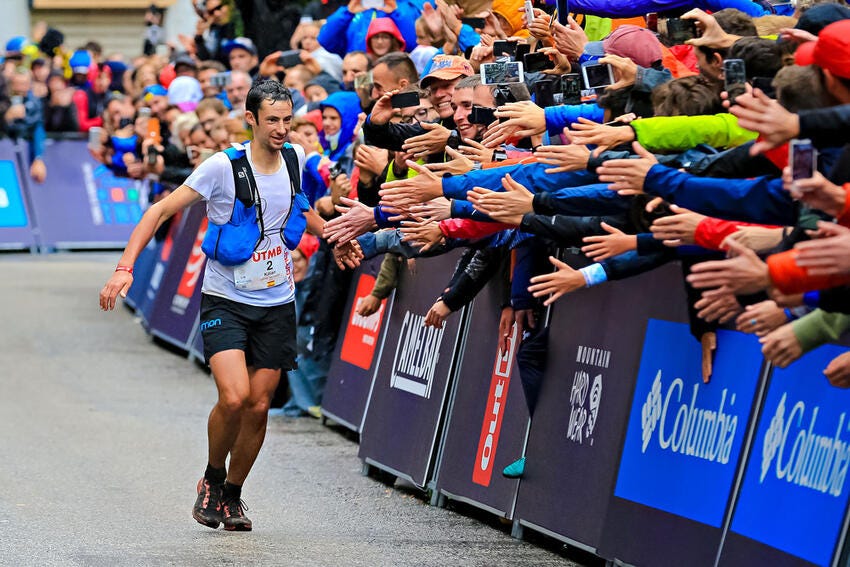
(103, 438)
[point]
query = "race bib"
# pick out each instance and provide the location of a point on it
(265, 269)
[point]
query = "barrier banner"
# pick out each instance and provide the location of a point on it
(144, 304)
(683, 448)
(82, 204)
(356, 354)
(16, 227)
(488, 417)
(793, 499)
(405, 407)
(579, 424)
(178, 301)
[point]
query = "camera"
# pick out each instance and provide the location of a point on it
(405, 100)
(289, 58)
(597, 76)
(221, 80)
(734, 78)
(501, 73)
(152, 155)
(504, 94)
(482, 115)
(677, 30)
(571, 88)
(536, 62)
(803, 159)
(474, 23)
(335, 171)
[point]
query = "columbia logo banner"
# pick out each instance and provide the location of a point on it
(681, 429)
(794, 492)
(803, 453)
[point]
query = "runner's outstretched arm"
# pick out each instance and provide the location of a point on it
(153, 218)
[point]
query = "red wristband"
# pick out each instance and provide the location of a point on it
(128, 269)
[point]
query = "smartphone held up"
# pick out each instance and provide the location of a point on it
(500, 73)
(802, 156)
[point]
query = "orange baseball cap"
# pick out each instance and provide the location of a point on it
(447, 68)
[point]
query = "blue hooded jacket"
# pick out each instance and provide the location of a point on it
(348, 105)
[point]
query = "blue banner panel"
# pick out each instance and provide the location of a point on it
(681, 429)
(405, 409)
(356, 354)
(15, 225)
(174, 313)
(488, 418)
(13, 213)
(82, 204)
(683, 440)
(795, 492)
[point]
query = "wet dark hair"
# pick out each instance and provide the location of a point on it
(762, 57)
(266, 90)
(736, 22)
(686, 96)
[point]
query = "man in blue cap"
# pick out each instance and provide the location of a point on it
(155, 97)
(14, 54)
(242, 55)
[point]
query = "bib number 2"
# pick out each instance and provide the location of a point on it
(265, 269)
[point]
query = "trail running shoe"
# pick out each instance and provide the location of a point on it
(207, 510)
(233, 512)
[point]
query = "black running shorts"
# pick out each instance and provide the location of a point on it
(265, 334)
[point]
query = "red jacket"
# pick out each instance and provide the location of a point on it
(711, 232)
(790, 278)
(81, 101)
(470, 229)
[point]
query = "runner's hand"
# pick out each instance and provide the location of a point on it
(118, 284)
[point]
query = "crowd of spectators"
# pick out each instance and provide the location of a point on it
(548, 187)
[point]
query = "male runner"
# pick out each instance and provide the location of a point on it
(250, 332)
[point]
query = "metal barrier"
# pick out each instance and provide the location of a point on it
(406, 405)
(81, 204)
(358, 349)
(17, 226)
(629, 454)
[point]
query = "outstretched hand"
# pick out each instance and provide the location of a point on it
(626, 176)
(508, 206)
(614, 243)
(356, 219)
(758, 112)
(564, 280)
(588, 132)
(742, 273)
(406, 192)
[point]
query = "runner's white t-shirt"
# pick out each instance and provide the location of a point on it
(213, 179)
